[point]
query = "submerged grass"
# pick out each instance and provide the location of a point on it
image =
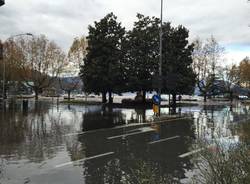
(222, 163)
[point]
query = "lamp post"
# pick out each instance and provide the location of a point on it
(2, 57)
(160, 61)
(160, 50)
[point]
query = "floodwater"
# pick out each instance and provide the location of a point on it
(61, 144)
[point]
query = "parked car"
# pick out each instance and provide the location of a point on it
(242, 97)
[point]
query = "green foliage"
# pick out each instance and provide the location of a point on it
(142, 53)
(143, 173)
(102, 70)
(118, 63)
(179, 77)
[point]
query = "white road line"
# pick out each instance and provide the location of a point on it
(190, 153)
(84, 159)
(163, 140)
(126, 126)
(130, 134)
(71, 134)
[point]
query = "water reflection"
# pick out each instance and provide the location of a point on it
(136, 148)
(107, 117)
(34, 138)
(30, 135)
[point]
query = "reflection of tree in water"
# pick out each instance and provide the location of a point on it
(213, 121)
(206, 120)
(104, 118)
(160, 159)
(34, 135)
(140, 116)
(243, 130)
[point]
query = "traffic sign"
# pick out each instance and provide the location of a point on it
(156, 99)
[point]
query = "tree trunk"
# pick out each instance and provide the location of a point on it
(4, 93)
(169, 100)
(104, 99)
(69, 95)
(144, 96)
(174, 100)
(110, 97)
(231, 96)
(36, 94)
(205, 97)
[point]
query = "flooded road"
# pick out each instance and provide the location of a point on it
(51, 143)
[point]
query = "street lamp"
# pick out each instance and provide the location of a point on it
(160, 61)
(2, 57)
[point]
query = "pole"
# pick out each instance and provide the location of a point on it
(160, 62)
(4, 97)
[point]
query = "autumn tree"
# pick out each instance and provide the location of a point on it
(10, 57)
(41, 62)
(102, 71)
(206, 57)
(244, 69)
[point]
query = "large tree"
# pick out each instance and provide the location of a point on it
(142, 46)
(41, 62)
(102, 71)
(206, 57)
(178, 75)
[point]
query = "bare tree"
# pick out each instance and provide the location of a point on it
(205, 62)
(41, 63)
(78, 51)
(70, 80)
(229, 77)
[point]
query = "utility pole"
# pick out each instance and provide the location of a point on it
(160, 61)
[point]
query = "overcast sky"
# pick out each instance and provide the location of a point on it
(62, 20)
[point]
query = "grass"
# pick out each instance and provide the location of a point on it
(224, 163)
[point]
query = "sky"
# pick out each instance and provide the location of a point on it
(63, 20)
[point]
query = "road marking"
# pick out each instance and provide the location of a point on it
(142, 131)
(126, 126)
(191, 153)
(84, 159)
(163, 140)
(71, 134)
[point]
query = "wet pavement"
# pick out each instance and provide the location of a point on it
(51, 143)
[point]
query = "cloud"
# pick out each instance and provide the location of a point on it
(62, 20)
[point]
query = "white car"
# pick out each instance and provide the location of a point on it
(243, 97)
